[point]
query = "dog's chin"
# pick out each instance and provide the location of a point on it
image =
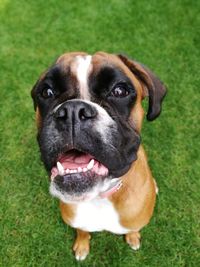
(83, 189)
(71, 197)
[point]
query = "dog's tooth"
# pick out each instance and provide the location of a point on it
(73, 171)
(80, 169)
(61, 170)
(85, 169)
(67, 171)
(90, 164)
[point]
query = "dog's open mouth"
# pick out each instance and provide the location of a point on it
(77, 162)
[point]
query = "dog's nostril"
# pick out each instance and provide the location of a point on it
(85, 114)
(61, 113)
(82, 114)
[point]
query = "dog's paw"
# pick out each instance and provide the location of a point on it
(81, 249)
(133, 239)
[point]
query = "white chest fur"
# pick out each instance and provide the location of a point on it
(98, 215)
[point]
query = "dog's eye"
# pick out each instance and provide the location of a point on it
(47, 93)
(120, 91)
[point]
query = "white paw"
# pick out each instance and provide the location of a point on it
(81, 257)
(135, 247)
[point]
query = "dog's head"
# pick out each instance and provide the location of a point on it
(89, 117)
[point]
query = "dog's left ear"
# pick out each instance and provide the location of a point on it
(153, 87)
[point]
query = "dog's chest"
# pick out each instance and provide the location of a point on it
(98, 215)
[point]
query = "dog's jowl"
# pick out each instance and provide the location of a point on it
(89, 115)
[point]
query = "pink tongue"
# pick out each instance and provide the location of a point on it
(72, 161)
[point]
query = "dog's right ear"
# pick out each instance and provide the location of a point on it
(35, 103)
(153, 87)
(33, 95)
(34, 89)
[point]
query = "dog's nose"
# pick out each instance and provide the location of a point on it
(75, 111)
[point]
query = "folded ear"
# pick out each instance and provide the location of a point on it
(152, 86)
(34, 90)
(33, 95)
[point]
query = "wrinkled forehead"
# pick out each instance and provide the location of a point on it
(82, 67)
(75, 60)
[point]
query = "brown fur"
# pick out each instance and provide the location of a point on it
(38, 118)
(138, 188)
(67, 212)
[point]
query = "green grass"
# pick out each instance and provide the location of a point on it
(165, 35)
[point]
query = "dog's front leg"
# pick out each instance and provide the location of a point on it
(81, 245)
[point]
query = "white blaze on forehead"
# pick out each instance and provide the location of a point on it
(82, 67)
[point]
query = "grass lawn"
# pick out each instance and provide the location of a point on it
(165, 35)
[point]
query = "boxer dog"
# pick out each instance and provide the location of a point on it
(89, 116)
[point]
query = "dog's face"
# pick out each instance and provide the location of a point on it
(89, 117)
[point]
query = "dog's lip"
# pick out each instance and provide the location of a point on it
(76, 161)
